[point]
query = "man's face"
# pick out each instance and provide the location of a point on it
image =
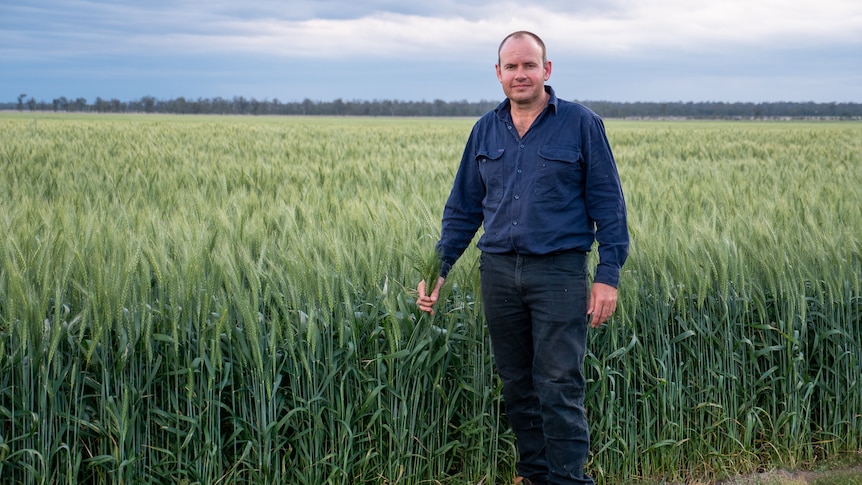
(522, 72)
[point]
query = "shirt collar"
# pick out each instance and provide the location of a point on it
(503, 108)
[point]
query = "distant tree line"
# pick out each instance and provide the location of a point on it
(239, 105)
(717, 110)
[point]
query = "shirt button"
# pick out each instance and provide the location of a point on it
(514, 223)
(522, 146)
(519, 170)
(517, 197)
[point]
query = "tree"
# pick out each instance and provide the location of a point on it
(101, 106)
(60, 103)
(149, 103)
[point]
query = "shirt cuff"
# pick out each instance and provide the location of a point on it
(444, 269)
(609, 275)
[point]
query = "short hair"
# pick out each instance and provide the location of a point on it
(523, 33)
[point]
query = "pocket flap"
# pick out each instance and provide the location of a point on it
(490, 154)
(560, 154)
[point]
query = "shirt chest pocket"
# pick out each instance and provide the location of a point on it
(559, 172)
(490, 163)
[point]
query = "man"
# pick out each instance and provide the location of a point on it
(539, 173)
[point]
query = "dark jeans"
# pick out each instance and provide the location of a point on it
(536, 308)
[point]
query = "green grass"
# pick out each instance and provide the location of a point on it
(230, 299)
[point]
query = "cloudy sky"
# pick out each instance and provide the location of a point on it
(615, 50)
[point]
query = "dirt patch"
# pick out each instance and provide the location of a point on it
(846, 476)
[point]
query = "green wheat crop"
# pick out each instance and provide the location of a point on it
(230, 300)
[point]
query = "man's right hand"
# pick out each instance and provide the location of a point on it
(426, 302)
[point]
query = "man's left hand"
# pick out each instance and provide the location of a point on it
(603, 302)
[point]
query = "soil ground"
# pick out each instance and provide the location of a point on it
(845, 476)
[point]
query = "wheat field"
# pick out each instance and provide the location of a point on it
(230, 300)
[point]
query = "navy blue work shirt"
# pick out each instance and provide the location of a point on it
(556, 189)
